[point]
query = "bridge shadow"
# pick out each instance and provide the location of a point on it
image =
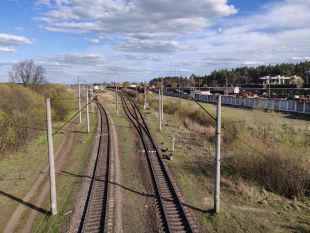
(32, 206)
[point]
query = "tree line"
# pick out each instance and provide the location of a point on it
(238, 76)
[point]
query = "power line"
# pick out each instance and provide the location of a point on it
(44, 129)
(57, 131)
(233, 133)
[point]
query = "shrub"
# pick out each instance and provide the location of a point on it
(286, 176)
(62, 101)
(20, 107)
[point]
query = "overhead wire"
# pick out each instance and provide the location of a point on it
(232, 133)
(71, 118)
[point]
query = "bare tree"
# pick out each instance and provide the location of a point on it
(27, 73)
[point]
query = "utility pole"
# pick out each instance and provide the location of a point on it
(87, 111)
(159, 108)
(116, 100)
(144, 96)
(92, 103)
(162, 100)
(79, 99)
(51, 157)
(173, 140)
(217, 157)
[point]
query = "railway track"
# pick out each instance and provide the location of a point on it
(98, 211)
(174, 216)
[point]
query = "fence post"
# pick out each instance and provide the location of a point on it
(51, 157)
(286, 105)
(217, 157)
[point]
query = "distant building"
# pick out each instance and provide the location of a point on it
(280, 80)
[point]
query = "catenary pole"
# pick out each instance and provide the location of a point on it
(51, 157)
(162, 100)
(79, 99)
(116, 100)
(217, 157)
(92, 103)
(159, 108)
(144, 96)
(87, 110)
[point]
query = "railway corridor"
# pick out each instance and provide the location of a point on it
(99, 212)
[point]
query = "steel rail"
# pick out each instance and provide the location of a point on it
(95, 214)
(137, 119)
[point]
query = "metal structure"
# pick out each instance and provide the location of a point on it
(174, 215)
(293, 106)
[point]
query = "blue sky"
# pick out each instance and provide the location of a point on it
(117, 40)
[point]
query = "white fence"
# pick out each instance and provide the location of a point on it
(272, 104)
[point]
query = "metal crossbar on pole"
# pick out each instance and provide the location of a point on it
(217, 158)
(51, 157)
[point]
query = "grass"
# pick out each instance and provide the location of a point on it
(20, 170)
(133, 187)
(67, 184)
(246, 206)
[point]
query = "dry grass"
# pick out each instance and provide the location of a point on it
(271, 152)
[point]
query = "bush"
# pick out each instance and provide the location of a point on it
(286, 176)
(20, 107)
(62, 101)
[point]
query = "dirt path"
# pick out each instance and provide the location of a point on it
(62, 155)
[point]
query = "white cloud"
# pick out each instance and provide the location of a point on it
(92, 40)
(77, 59)
(6, 49)
(8, 42)
(151, 46)
(6, 39)
(136, 17)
